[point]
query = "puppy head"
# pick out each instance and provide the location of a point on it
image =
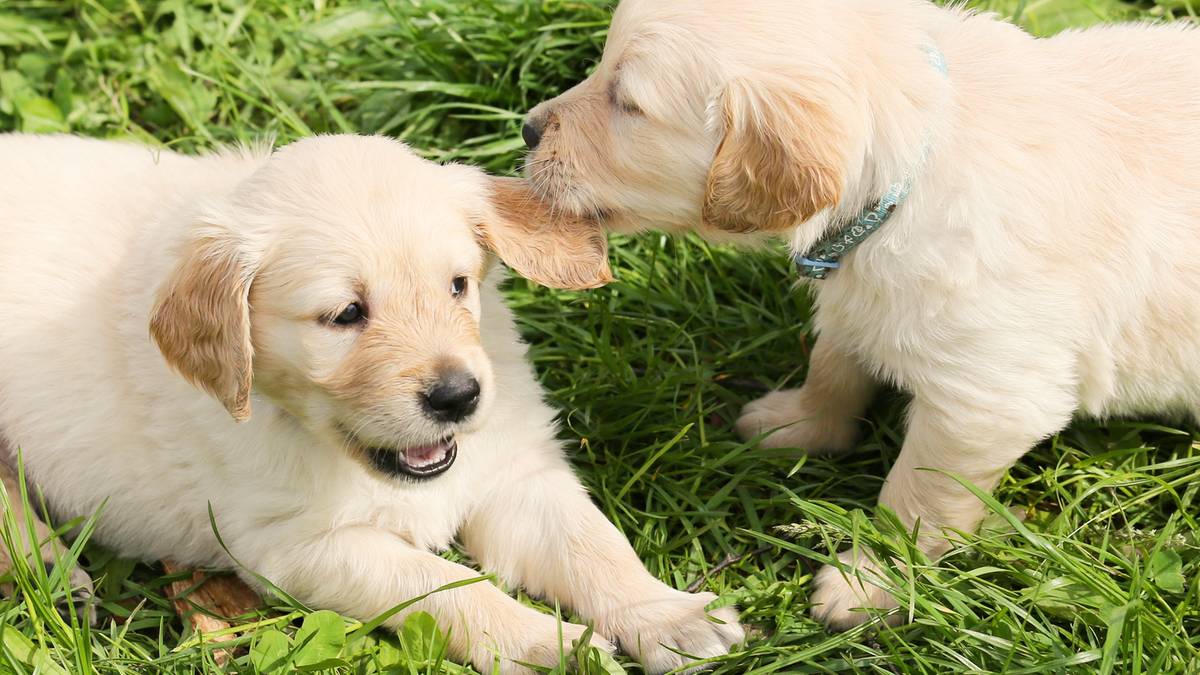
(703, 115)
(342, 282)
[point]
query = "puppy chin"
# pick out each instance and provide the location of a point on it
(741, 240)
(564, 191)
(623, 222)
(578, 197)
(578, 200)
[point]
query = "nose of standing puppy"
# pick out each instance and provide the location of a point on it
(531, 133)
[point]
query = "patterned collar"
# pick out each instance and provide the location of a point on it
(827, 253)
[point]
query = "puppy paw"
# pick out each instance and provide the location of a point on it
(668, 632)
(846, 598)
(794, 421)
(542, 646)
(82, 595)
(81, 599)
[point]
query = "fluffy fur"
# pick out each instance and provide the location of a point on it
(1045, 265)
(126, 272)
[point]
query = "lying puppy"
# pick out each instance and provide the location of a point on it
(1007, 228)
(336, 290)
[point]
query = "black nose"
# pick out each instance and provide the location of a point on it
(532, 135)
(453, 398)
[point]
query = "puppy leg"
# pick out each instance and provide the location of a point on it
(822, 415)
(544, 533)
(363, 571)
(49, 549)
(977, 441)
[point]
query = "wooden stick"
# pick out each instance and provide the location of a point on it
(208, 603)
(729, 561)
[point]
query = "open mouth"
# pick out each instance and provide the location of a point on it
(419, 461)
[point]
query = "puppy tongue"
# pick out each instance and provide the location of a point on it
(424, 455)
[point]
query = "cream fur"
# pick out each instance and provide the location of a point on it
(1046, 264)
(97, 235)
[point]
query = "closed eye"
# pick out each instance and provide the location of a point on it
(621, 103)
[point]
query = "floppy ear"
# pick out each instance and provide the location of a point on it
(782, 159)
(201, 321)
(544, 245)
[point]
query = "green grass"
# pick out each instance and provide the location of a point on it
(1101, 572)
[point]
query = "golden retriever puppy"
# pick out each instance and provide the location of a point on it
(1007, 228)
(307, 341)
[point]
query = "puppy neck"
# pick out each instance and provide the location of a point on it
(908, 100)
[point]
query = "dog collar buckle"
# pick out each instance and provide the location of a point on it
(815, 269)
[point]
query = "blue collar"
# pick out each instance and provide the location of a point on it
(825, 256)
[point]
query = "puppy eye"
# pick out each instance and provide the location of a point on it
(458, 287)
(622, 104)
(353, 313)
(629, 108)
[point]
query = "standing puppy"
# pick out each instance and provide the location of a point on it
(1007, 228)
(307, 342)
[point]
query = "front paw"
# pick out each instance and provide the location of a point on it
(667, 632)
(540, 644)
(853, 596)
(792, 420)
(82, 595)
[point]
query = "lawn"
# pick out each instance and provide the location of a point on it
(1089, 563)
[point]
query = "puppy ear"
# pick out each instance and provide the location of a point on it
(201, 320)
(542, 244)
(781, 161)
